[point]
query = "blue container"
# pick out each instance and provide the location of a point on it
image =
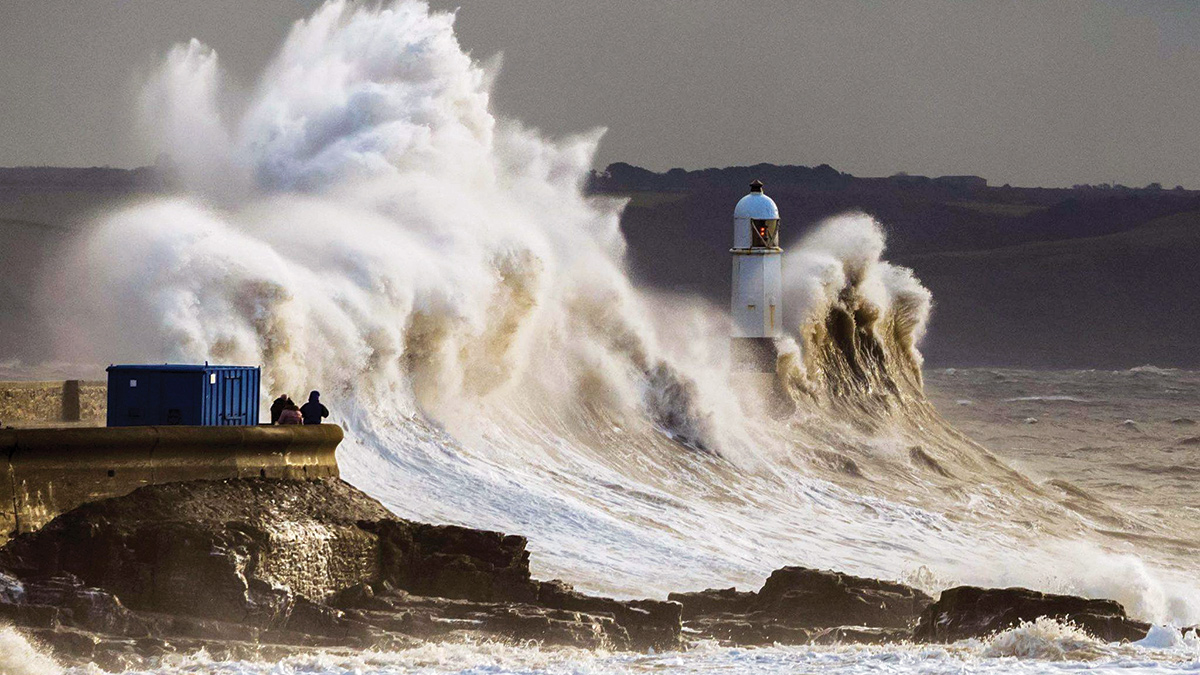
(189, 395)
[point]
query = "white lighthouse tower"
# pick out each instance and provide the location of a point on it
(756, 302)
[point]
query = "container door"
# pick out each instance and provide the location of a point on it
(130, 399)
(179, 399)
(210, 413)
(233, 407)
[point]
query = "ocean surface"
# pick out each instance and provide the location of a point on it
(495, 659)
(1130, 438)
(1082, 435)
(1044, 647)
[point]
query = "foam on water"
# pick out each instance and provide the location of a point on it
(19, 657)
(1169, 637)
(1045, 639)
(1044, 648)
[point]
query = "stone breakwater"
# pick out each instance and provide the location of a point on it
(260, 568)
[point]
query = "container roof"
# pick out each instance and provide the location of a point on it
(173, 367)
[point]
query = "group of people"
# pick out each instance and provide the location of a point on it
(285, 411)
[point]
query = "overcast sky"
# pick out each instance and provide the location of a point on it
(1029, 93)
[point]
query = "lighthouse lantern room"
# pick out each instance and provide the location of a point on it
(756, 302)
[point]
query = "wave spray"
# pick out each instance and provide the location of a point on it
(364, 224)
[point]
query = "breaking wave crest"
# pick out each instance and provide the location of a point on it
(19, 657)
(368, 224)
(364, 224)
(1050, 640)
(860, 316)
(1046, 639)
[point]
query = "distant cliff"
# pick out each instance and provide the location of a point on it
(95, 177)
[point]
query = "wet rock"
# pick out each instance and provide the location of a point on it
(972, 612)
(651, 624)
(359, 595)
(65, 600)
(66, 642)
(736, 629)
(12, 590)
(193, 628)
(215, 549)
(296, 564)
(861, 635)
(445, 618)
(310, 618)
(798, 605)
(714, 601)
(35, 616)
(808, 597)
(453, 562)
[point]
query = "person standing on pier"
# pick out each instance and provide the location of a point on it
(278, 406)
(314, 410)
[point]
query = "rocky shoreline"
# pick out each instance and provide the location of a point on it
(261, 568)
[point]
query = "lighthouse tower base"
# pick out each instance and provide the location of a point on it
(753, 354)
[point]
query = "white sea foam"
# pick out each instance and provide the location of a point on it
(1077, 652)
(1152, 370)
(19, 657)
(1045, 639)
(1170, 637)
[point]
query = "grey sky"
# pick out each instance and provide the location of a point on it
(1032, 93)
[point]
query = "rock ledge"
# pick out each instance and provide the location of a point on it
(239, 566)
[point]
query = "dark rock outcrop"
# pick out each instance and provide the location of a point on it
(453, 562)
(263, 568)
(798, 605)
(215, 549)
(972, 612)
(825, 599)
(432, 618)
(649, 623)
(306, 564)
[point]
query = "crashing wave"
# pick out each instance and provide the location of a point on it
(19, 657)
(1045, 639)
(363, 223)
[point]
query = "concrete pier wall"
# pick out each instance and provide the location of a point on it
(46, 472)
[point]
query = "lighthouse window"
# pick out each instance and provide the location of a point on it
(764, 233)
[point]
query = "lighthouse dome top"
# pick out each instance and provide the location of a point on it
(756, 205)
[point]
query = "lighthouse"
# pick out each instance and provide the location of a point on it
(756, 302)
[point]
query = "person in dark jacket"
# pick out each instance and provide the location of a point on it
(314, 410)
(278, 406)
